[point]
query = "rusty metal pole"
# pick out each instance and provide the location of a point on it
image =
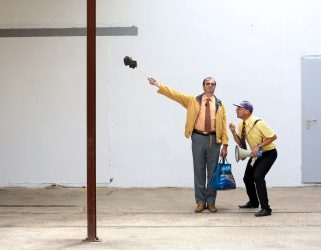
(91, 120)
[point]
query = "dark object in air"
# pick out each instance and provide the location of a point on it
(128, 61)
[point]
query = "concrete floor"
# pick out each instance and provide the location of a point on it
(160, 218)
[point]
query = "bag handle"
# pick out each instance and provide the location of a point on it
(222, 160)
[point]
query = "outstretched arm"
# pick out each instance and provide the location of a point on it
(171, 93)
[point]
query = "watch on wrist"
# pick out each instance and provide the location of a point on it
(259, 146)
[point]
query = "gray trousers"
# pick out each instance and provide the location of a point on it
(205, 159)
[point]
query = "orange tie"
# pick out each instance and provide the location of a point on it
(207, 116)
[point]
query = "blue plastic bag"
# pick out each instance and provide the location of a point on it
(223, 178)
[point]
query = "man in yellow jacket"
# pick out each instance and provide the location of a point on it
(206, 125)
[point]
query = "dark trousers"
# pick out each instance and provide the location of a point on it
(254, 178)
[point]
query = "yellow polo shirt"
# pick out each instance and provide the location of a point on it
(256, 134)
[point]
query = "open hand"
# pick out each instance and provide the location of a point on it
(152, 80)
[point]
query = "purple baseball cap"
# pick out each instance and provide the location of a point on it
(245, 104)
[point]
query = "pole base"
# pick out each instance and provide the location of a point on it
(96, 239)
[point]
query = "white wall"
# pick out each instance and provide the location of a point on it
(252, 48)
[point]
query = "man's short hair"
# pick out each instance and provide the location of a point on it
(208, 78)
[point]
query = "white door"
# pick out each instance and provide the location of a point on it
(311, 118)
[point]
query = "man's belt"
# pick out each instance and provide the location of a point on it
(204, 132)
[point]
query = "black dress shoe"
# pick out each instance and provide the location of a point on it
(264, 212)
(249, 205)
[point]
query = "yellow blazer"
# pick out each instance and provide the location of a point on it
(192, 104)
